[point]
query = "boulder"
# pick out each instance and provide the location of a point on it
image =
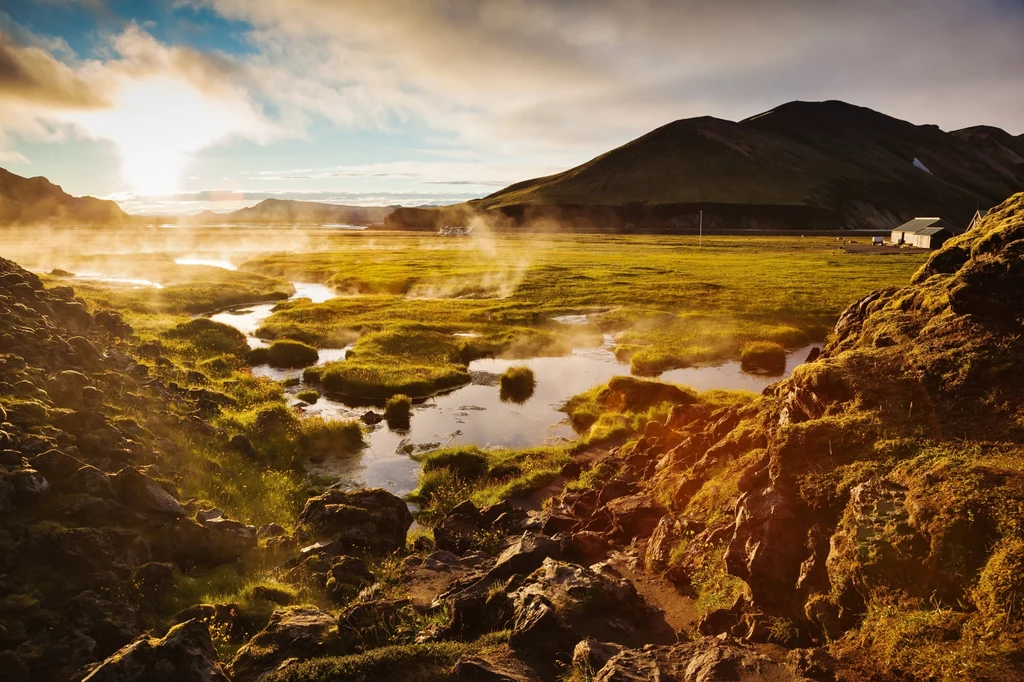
(709, 659)
(184, 654)
(666, 536)
(56, 466)
(27, 485)
(635, 515)
(473, 669)
(562, 600)
(141, 493)
(346, 577)
(230, 538)
(527, 553)
(767, 546)
(91, 481)
(186, 542)
(588, 545)
(293, 632)
(456, 531)
(270, 530)
(154, 578)
(373, 520)
(590, 655)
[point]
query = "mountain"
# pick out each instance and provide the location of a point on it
(291, 211)
(995, 142)
(27, 201)
(803, 165)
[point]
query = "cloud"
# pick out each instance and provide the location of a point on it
(30, 74)
(159, 104)
(538, 77)
(509, 89)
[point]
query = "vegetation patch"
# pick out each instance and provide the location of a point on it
(763, 356)
(285, 354)
(397, 409)
(206, 337)
(517, 384)
(455, 474)
(402, 663)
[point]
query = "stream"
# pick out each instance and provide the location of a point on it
(473, 413)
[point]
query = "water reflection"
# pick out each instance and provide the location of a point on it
(212, 262)
(130, 281)
(476, 413)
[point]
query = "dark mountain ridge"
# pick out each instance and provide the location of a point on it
(802, 165)
(29, 201)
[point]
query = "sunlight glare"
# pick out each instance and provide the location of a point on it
(157, 124)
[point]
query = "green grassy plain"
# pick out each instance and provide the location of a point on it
(421, 307)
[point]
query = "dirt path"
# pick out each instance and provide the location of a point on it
(679, 609)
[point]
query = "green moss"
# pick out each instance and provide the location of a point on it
(405, 663)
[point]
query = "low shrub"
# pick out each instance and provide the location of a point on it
(517, 384)
(397, 409)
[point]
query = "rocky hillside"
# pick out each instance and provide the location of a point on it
(287, 211)
(30, 201)
(800, 166)
(858, 521)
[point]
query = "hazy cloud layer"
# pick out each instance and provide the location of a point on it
(508, 73)
(528, 86)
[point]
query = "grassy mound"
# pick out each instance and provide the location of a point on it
(517, 384)
(309, 396)
(285, 354)
(455, 474)
(397, 409)
(763, 356)
(208, 337)
(374, 382)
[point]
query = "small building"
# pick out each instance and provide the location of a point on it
(978, 215)
(877, 241)
(924, 233)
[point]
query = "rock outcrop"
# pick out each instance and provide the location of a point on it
(184, 654)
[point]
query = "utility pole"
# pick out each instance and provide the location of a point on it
(700, 233)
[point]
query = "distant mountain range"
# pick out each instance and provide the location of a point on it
(31, 201)
(287, 211)
(803, 165)
(800, 166)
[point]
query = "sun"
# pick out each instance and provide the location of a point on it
(158, 124)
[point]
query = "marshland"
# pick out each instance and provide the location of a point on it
(359, 318)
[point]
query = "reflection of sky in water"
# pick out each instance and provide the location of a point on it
(730, 375)
(475, 414)
(135, 283)
(212, 262)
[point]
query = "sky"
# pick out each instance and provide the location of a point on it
(184, 105)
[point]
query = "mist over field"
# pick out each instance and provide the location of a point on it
(516, 341)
